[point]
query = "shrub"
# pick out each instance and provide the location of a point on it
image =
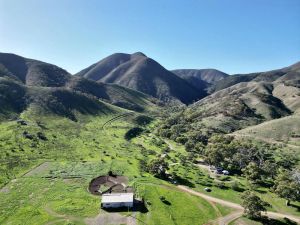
(142, 120)
(235, 186)
(133, 132)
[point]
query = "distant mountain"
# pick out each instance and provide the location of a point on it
(143, 74)
(286, 74)
(201, 79)
(30, 84)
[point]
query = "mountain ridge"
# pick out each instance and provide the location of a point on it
(141, 73)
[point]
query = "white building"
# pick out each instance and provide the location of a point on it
(116, 200)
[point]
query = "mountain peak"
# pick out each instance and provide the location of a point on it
(139, 54)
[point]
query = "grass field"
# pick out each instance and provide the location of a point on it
(182, 208)
(44, 176)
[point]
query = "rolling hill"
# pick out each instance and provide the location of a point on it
(16, 98)
(143, 74)
(114, 94)
(30, 84)
(239, 106)
(244, 100)
(285, 130)
(128, 81)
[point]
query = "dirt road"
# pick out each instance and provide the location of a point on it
(236, 214)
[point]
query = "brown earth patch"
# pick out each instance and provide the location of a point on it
(108, 184)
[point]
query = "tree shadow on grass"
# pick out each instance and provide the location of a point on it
(238, 189)
(295, 206)
(166, 202)
(184, 181)
(268, 221)
(261, 191)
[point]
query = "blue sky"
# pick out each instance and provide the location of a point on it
(235, 36)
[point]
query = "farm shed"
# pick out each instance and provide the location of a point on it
(117, 200)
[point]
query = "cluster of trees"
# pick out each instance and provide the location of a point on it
(258, 162)
(157, 167)
(261, 163)
(133, 132)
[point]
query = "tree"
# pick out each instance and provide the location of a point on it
(213, 156)
(253, 205)
(158, 168)
(253, 173)
(269, 169)
(286, 186)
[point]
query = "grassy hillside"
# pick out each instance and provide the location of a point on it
(237, 107)
(284, 130)
(289, 94)
(12, 98)
(17, 98)
(114, 94)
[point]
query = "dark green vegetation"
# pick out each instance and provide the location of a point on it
(253, 205)
(57, 132)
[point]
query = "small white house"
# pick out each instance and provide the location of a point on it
(117, 200)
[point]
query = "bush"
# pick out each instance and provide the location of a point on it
(181, 140)
(133, 132)
(224, 178)
(142, 120)
(235, 186)
(220, 185)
